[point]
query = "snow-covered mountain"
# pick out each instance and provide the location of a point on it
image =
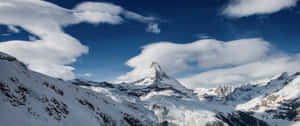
(31, 99)
(28, 98)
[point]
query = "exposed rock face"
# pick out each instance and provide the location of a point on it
(4, 56)
(224, 91)
(288, 110)
(239, 118)
(157, 73)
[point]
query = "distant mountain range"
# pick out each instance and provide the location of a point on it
(28, 98)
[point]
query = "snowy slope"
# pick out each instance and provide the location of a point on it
(32, 99)
(171, 102)
(28, 98)
(275, 100)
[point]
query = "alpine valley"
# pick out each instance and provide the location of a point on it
(29, 98)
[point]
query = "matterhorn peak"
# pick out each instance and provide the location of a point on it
(156, 66)
(156, 77)
(156, 72)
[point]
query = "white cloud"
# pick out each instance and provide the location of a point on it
(86, 75)
(153, 28)
(218, 63)
(222, 63)
(99, 12)
(252, 71)
(206, 54)
(242, 8)
(138, 17)
(13, 29)
(55, 49)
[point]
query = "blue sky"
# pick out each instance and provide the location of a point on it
(181, 22)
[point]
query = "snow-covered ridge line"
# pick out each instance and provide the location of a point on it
(33, 99)
(215, 100)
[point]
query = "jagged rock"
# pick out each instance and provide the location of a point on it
(239, 118)
(7, 57)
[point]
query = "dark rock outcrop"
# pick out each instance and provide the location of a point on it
(239, 118)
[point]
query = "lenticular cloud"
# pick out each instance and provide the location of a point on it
(210, 53)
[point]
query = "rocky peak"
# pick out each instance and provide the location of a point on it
(158, 80)
(156, 72)
(283, 76)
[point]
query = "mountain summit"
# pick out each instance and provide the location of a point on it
(157, 73)
(159, 79)
(154, 74)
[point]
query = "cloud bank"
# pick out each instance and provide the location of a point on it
(217, 62)
(55, 49)
(257, 70)
(242, 8)
(210, 53)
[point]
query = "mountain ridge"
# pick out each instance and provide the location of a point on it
(30, 98)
